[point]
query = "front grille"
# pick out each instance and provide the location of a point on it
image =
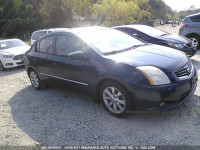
(18, 57)
(185, 71)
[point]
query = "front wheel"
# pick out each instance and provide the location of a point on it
(35, 80)
(195, 41)
(115, 98)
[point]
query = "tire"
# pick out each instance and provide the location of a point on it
(115, 98)
(1, 66)
(195, 40)
(35, 80)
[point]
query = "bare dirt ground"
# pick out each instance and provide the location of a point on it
(56, 116)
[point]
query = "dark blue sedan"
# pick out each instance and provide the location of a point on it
(122, 72)
(155, 36)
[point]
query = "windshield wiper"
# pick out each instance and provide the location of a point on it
(164, 34)
(135, 46)
(118, 51)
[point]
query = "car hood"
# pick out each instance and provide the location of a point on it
(15, 50)
(173, 38)
(165, 58)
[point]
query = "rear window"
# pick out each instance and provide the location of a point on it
(195, 18)
(149, 30)
(126, 30)
(36, 35)
(46, 45)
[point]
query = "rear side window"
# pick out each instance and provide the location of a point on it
(66, 44)
(36, 35)
(46, 45)
(195, 18)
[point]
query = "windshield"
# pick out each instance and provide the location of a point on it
(150, 31)
(10, 44)
(109, 40)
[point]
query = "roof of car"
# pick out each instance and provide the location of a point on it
(76, 30)
(193, 15)
(8, 40)
(86, 29)
(81, 29)
(52, 29)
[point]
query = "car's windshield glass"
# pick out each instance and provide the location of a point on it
(10, 44)
(150, 31)
(109, 40)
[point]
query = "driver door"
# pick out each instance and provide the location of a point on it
(70, 71)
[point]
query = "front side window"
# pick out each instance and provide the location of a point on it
(66, 44)
(46, 45)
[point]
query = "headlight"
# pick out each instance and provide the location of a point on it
(7, 56)
(154, 75)
(175, 45)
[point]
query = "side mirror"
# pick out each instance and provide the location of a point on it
(78, 55)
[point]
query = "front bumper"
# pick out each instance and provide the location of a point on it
(164, 97)
(167, 106)
(10, 63)
(189, 51)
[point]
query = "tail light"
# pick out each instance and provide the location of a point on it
(183, 26)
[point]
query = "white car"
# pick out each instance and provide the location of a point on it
(37, 34)
(11, 53)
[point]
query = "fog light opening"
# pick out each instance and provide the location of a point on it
(9, 64)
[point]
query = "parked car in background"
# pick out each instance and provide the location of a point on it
(36, 34)
(124, 73)
(11, 53)
(190, 28)
(155, 36)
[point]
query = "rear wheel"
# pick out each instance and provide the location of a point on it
(195, 40)
(115, 98)
(1, 66)
(35, 80)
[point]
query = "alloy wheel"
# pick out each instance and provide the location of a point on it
(114, 100)
(194, 42)
(34, 79)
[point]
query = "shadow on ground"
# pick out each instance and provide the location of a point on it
(56, 116)
(12, 71)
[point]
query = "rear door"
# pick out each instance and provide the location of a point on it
(75, 72)
(43, 56)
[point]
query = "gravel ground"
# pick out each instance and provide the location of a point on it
(168, 28)
(56, 116)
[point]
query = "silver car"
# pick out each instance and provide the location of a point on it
(190, 28)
